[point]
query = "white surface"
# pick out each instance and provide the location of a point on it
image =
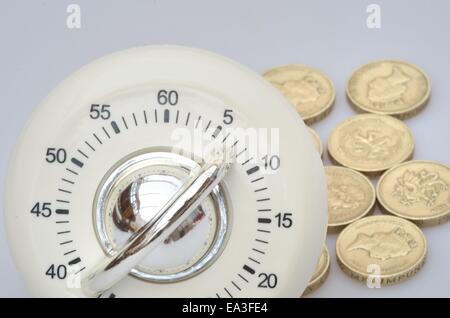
(38, 51)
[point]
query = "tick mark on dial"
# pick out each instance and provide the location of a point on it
(261, 189)
(252, 170)
(247, 161)
(75, 261)
(249, 269)
(89, 145)
(62, 211)
(236, 285)
(124, 122)
(243, 278)
(258, 251)
(166, 116)
(217, 131)
(264, 220)
(229, 294)
(70, 252)
(106, 133)
(72, 172)
(207, 126)
(98, 139)
(254, 260)
(83, 154)
(67, 181)
(226, 137)
(115, 127)
(198, 121)
(244, 150)
(77, 162)
(145, 117)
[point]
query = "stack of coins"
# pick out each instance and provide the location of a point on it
(372, 148)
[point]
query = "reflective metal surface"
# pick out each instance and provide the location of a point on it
(161, 226)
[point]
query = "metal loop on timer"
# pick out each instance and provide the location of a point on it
(186, 199)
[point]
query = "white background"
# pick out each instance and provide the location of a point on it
(37, 51)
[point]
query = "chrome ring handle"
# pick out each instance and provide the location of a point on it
(110, 270)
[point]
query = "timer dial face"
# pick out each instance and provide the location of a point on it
(259, 234)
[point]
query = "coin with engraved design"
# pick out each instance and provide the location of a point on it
(389, 87)
(309, 90)
(381, 250)
(418, 191)
(351, 196)
(371, 143)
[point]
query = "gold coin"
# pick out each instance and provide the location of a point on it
(316, 140)
(418, 191)
(321, 272)
(389, 88)
(351, 196)
(371, 143)
(381, 250)
(309, 90)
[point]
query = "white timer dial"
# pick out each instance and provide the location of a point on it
(106, 196)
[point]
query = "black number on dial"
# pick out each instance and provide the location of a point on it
(228, 117)
(271, 162)
(284, 220)
(100, 111)
(167, 97)
(57, 271)
(268, 280)
(42, 209)
(56, 155)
